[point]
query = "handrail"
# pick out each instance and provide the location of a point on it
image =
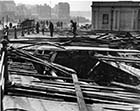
(3, 71)
(1, 65)
(2, 80)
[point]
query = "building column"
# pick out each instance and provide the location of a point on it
(133, 20)
(97, 20)
(116, 18)
(112, 18)
(93, 19)
(114, 22)
(136, 20)
(119, 20)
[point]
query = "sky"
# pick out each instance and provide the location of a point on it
(75, 5)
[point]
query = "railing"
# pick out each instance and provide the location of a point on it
(3, 72)
(2, 80)
(14, 33)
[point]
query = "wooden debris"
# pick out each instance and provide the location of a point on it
(80, 98)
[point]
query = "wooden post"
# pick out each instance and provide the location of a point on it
(4, 48)
(1, 99)
(3, 70)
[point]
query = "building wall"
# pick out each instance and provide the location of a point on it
(7, 10)
(63, 11)
(119, 18)
(126, 19)
(44, 11)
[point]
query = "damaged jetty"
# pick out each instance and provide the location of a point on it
(90, 73)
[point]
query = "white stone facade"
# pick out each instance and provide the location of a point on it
(116, 16)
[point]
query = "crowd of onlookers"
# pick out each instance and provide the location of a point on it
(41, 26)
(50, 26)
(44, 26)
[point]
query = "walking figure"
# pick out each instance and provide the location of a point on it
(73, 27)
(37, 27)
(51, 28)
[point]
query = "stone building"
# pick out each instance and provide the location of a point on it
(22, 12)
(7, 10)
(44, 11)
(62, 11)
(116, 16)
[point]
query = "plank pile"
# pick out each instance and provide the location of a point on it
(49, 87)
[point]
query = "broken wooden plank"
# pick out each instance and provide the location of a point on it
(130, 88)
(110, 96)
(80, 98)
(29, 57)
(44, 77)
(67, 96)
(121, 59)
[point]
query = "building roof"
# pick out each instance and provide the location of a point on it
(116, 4)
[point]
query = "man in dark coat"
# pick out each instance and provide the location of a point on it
(37, 27)
(73, 27)
(51, 28)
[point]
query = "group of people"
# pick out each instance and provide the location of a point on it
(6, 28)
(41, 25)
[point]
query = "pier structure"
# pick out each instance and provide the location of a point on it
(116, 16)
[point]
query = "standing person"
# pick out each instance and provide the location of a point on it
(15, 32)
(61, 24)
(43, 28)
(10, 25)
(6, 30)
(47, 23)
(73, 27)
(51, 28)
(37, 27)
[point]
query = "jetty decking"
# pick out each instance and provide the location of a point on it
(58, 87)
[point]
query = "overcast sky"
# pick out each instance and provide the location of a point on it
(76, 5)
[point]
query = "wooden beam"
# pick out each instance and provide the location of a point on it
(1, 98)
(44, 80)
(80, 98)
(121, 59)
(27, 56)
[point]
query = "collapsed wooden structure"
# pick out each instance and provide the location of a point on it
(60, 72)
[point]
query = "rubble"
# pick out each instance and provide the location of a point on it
(80, 70)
